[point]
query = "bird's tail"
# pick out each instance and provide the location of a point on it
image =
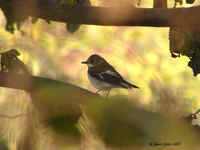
(128, 85)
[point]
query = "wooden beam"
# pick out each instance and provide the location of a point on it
(109, 16)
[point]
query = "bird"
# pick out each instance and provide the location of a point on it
(103, 76)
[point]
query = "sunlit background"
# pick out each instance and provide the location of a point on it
(140, 54)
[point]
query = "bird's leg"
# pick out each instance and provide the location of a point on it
(107, 94)
(97, 91)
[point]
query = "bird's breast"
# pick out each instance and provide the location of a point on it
(99, 84)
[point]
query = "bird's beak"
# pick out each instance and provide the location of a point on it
(84, 62)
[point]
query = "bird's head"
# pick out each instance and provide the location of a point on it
(94, 60)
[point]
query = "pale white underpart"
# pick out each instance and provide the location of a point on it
(100, 85)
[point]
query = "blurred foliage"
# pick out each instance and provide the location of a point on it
(11, 63)
(3, 145)
(12, 25)
(190, 1)
(185, 42)
(70, 2)
(180, 2)
(65, 125)
(167, 88)
(73, 27)
(122, 123)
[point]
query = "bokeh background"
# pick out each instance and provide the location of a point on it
(140, 54)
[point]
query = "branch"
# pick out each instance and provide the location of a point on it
(30, 83)
(107, 16)
(59, 102)
(51, 97)
(15, 81)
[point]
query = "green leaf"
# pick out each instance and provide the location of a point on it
(72, 27)
(34, 20)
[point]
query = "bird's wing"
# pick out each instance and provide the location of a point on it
(123, 82)
(110, 77)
